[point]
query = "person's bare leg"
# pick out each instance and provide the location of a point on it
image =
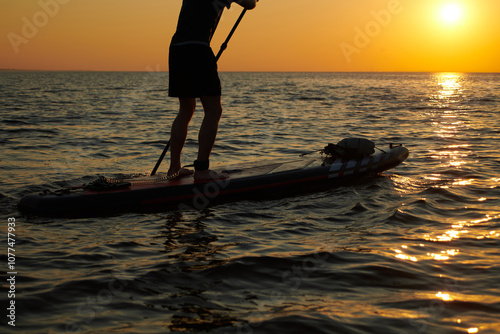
(208, 132)
(179, 132)
(210, 125)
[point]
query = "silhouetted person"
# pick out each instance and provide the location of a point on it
(193, 74)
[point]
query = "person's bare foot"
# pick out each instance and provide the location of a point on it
(209, 175)
(180, 173)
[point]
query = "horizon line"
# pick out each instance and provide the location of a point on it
(147, 71)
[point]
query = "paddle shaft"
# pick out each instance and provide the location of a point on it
(158, 163)
(222, 48)
(224, 45)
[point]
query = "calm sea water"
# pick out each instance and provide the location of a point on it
(415, 250)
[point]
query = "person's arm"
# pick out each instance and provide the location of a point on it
(247, 4)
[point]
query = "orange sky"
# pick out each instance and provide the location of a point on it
(279, 35)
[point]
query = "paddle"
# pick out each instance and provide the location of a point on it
(222, 48)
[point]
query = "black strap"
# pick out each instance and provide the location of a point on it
(201, 165)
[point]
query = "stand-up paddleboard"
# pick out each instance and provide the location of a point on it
(246, 181)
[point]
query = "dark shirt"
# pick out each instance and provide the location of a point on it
(198, 20)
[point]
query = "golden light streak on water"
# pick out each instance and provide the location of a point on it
(439, 257)
(460, 228)
(444, 296)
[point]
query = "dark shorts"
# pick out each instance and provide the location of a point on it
(193, 71)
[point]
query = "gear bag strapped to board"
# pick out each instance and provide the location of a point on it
(351, 148)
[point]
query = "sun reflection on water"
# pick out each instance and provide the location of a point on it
(449, 82)
(458, 230)
(451, 85)
(449, 118)
(451, 121)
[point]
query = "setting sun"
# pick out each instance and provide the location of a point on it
(451, 13)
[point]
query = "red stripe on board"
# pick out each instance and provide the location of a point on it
(233, 191)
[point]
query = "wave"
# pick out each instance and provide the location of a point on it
(15, 122)
(29, 130)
